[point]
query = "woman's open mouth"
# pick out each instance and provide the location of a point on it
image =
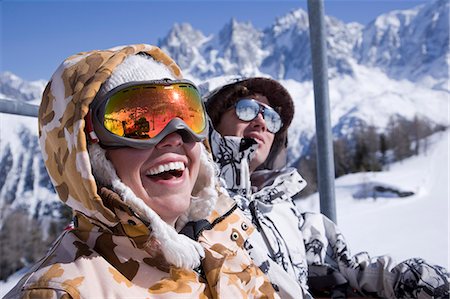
(168, 171)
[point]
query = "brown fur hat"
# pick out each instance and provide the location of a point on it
(222, 98)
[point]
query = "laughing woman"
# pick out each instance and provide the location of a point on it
(121, 135)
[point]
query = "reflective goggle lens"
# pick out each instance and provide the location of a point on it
(248, 109)
(143, 111)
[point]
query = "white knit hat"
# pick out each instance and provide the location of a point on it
(136, 68)
(178, 249)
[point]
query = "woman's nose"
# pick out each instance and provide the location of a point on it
(173, 140)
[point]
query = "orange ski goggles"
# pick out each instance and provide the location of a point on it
(141, 114)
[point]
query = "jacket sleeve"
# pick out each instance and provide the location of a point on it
(329, 259)
(229, 271)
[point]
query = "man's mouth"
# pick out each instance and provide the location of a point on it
(166, 171)
(256, 137)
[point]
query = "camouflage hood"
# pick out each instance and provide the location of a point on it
(66, 153)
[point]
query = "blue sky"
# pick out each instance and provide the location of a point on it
(36, 36)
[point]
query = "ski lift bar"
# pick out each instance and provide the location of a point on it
(19, 108)
(325, 156)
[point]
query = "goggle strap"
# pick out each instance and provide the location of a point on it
(90, 128)
(93, 137)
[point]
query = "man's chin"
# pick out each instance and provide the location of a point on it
(254, 164)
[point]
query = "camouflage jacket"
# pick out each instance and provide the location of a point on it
(112, 251)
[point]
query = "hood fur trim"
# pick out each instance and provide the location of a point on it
(205, 193)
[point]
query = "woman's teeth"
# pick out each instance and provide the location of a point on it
(166, 167)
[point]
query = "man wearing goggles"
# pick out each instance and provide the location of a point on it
(121, 136)
(251, 117)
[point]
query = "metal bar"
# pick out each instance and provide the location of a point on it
(19, 108)
(325, 157)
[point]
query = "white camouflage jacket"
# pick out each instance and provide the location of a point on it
(308, 246)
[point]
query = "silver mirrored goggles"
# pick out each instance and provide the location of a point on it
(141, 114)
(248, 109)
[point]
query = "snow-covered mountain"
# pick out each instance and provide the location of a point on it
(184, 42)
(13, 87)
(289, 45)
(410, 44)
(369, 96)
(281, 51)
(236, 49)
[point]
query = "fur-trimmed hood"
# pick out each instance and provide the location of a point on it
(70, 161)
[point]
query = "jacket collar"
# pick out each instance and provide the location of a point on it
(233, 155)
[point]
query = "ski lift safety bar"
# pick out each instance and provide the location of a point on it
(18, 108)
(325, 160)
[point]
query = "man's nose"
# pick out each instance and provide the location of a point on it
(259, 122)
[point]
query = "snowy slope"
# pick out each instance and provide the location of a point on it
(414, 226)
(6, 286)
